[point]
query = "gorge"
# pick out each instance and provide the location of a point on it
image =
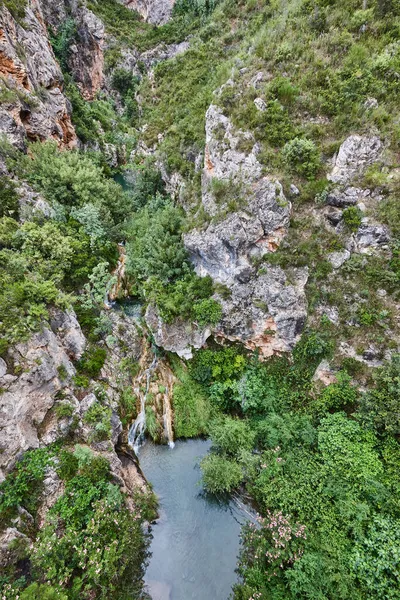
(199, 299)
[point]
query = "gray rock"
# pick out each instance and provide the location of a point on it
(30, 396)
(180, 336)
(294, 190)
(86, 403)
(325, 374)
(354, 156)
(154, 11)
(337, 259)
(260, 104)
(263, 311)
(348, 197)
(3, 367)
(32, 205)
(86, 57)
(65, 325)
(371, 236)
(371, 103)
(267, 313)
(333, 215)
(39, 110)
(225, 251)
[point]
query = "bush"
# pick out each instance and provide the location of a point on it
(9, 204)
(155, 245)
(302, 156)
(92, 362)
(380, 406)
(207, 312)
(220, 475)
(42, 592)
(352, 217)
(231, 436)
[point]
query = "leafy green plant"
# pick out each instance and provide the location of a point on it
(220, 475)
(352, 217)
(302, 156)
(191, 410)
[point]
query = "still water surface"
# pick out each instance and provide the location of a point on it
(196, 540)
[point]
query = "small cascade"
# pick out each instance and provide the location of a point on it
(137, 431)
(167, 418)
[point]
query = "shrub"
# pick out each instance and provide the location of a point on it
(92, 362)
(230, 436)
(207, 312)
(352, 216)
(220, 475)
(302, 156)
(380, 406)
(9, 204)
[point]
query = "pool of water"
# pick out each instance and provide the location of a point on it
(196, 539)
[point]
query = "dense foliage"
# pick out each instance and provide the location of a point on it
(91, 543)
(322, 480)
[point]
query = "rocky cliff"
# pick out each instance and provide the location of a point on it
(34, 106)
(153, 11)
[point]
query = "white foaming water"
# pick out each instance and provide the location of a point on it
(136, 432)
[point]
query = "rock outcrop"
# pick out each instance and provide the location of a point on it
(180, 336)
(153, 11)
(355, 155)
(263, 308)
(86, 52)
(35, 372)
(35, 107)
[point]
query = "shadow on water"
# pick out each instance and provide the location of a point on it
(196, 539)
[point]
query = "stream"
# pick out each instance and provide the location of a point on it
(196, 539)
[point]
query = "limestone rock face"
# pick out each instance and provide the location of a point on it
(371, 236)
(268, 313)
(180, 336)
(355, 155)
(226, 250)
(86, 60)
(153, 11)
(263, 309)
(35, 371)
(37, 108)
(32, 205)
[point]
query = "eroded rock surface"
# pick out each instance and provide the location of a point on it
(37, 108)
(36, 371)
(264, 309)
(355, 155)
(180, 336)
(153, 11)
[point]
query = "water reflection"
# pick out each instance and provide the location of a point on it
(196, 539)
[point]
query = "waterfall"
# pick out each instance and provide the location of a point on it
(168, 420)
(137, 431)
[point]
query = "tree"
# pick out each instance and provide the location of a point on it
(220, 475)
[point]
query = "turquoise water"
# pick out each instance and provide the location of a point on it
(196, 539)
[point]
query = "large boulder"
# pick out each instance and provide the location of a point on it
(268, 313)
(181, 337)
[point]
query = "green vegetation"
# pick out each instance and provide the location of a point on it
(158, 261)
(16, 7)
(320, 477)
(66, 558)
